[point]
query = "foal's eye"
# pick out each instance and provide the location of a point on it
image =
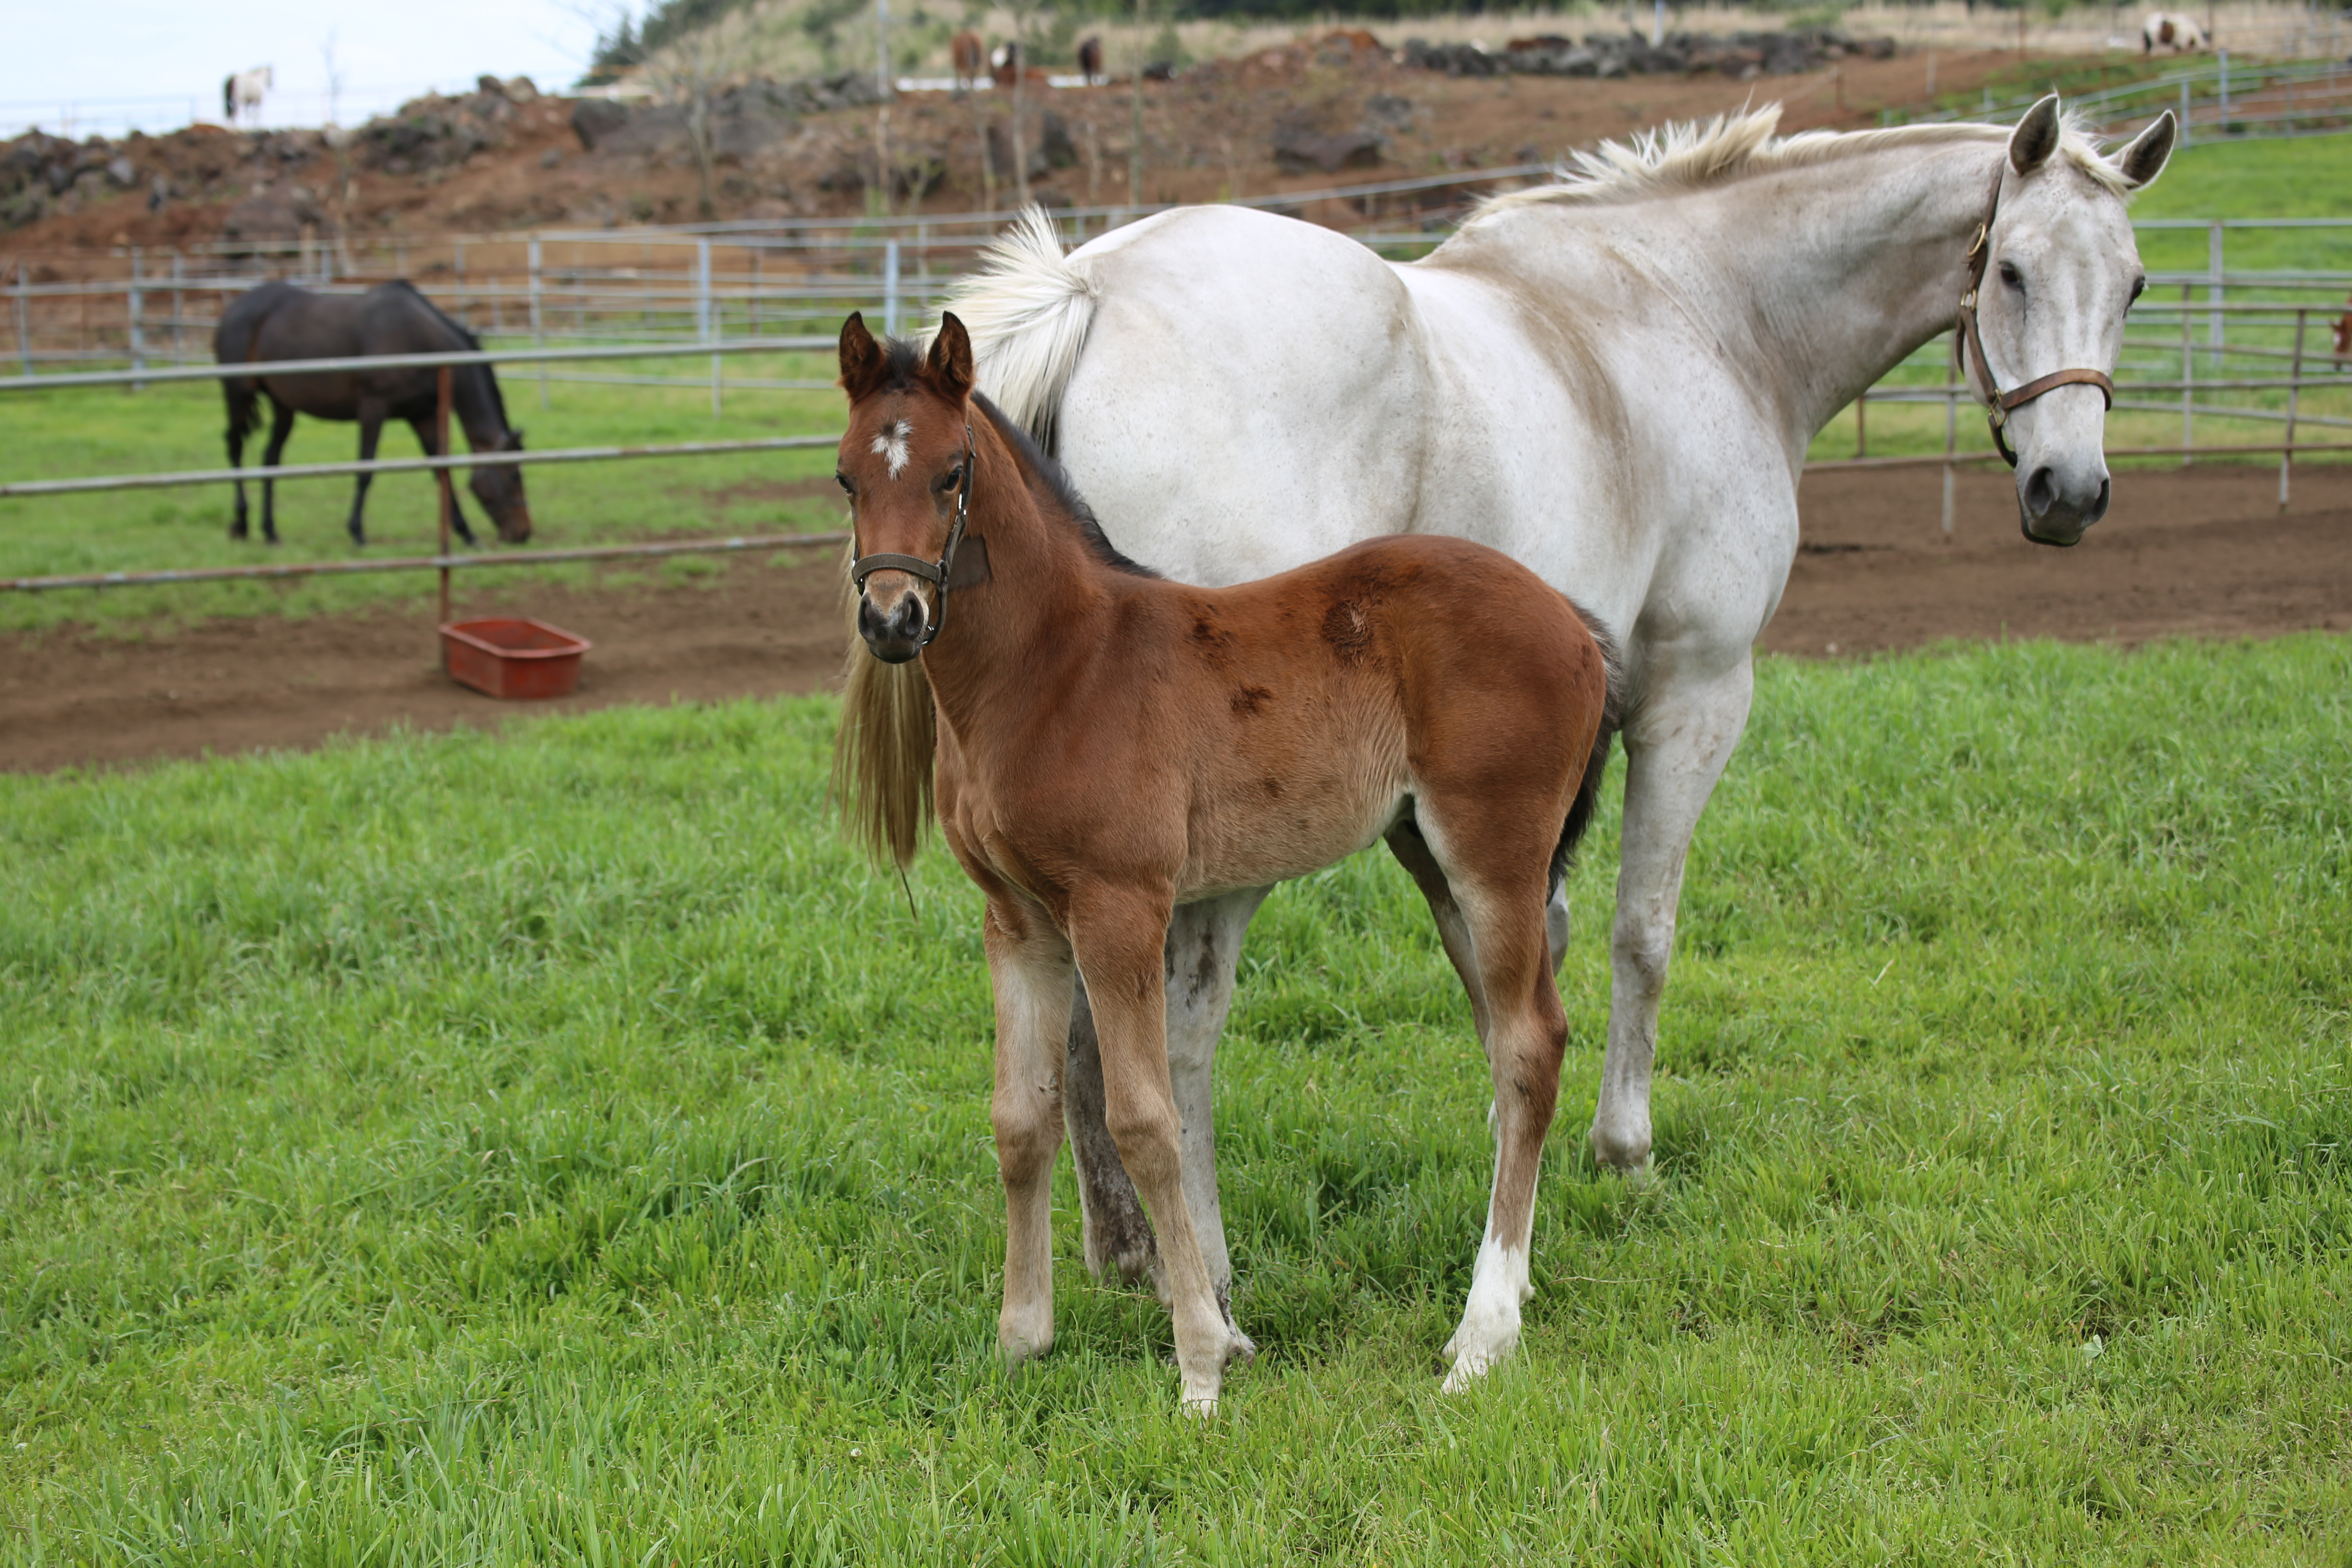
(2139, 287)
(842, 480)
(2011, 276)
(948, 480)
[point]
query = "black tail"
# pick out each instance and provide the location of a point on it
(1613, 714)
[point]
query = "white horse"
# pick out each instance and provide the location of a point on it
(2172, 32)
(1614, 379)
(241, 95)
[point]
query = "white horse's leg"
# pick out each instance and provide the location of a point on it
(1204, 945)
(1029, 968)
(1676, 743)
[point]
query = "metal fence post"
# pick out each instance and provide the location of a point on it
(135, 308)
(1951, 426)
(1861, 423)
(538, 329)
(2184, 115)
(24, 319)
(890, 288)
(2294, 397)
(461, 285)
(448, 495)
(2223, 57)
(179, 276)
(2213, 328)
(2188, 378)
(702, 315)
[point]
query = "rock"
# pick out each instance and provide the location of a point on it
(122, 172)
(1299, 148)
(272, 215)
(595, 119)
(521, 90)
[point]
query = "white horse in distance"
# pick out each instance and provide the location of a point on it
(241, 95)
(1614, 380)
(2173, 32)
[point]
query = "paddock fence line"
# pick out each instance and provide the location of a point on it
(2216, 97)
(137, 307)
(2256, 323)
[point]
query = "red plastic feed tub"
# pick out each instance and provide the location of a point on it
(512, 657)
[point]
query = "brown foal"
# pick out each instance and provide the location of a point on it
(1109, 745)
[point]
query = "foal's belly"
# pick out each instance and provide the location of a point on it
(1260, 819)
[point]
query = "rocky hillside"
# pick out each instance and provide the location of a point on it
(1344, 106)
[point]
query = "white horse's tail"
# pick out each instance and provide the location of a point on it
(1027, 310)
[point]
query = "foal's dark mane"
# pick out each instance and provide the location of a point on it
(902, 364)
(1056, 482)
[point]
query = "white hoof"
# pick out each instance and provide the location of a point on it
(1467, 1369)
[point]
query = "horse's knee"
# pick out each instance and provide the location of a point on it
(1145, 1129)
(1644, 948)
(1027, 1135)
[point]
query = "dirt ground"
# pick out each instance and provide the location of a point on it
(2201, 552)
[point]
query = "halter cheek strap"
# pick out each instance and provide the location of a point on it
(941, 573)
(2000, 404)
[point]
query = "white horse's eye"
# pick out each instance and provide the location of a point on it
(2010, 276)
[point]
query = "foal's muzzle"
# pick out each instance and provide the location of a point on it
(896, 635)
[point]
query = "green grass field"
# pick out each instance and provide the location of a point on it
(553, 1148)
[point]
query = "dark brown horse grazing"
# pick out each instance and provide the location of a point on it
(1109, 745)
(281, 321)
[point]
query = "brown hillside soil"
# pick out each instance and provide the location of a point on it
(1210, 132)
(2201, 552)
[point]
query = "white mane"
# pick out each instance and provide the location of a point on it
(1695, 156)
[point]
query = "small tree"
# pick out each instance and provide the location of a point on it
(689, 73)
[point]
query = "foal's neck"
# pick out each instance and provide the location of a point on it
(1039, 611)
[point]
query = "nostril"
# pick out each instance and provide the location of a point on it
(2041, 490)
(2099, 507)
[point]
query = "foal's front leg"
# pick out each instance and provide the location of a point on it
(1120, 939)
(1030, 970)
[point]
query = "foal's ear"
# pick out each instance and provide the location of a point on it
(2144, 158)
(862, 360)
(949, 368)
(2036, 136)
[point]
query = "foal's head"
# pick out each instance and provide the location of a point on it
(903, 461)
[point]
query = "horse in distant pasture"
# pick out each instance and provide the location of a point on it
(1009, 63)
(241, 95)
(970, 58)
(1109, 745)
(2172, 32)
(1090, 61)
(281, 321)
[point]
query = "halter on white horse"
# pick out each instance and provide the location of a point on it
(1614, 379)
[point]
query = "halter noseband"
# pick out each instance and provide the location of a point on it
(1999, 405)
(940, 573)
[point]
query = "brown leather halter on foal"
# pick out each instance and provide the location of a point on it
(1999, 405)
(943, 573)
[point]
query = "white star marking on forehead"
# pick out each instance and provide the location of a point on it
(891, 445)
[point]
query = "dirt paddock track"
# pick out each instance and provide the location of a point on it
(2200, 551)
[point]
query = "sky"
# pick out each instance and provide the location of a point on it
(105, 65)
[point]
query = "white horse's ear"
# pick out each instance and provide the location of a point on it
(2036, 136)
(2144, 158)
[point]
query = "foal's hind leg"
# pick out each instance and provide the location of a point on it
(1499, 888)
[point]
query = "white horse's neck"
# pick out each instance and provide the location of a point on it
(1815, 280)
